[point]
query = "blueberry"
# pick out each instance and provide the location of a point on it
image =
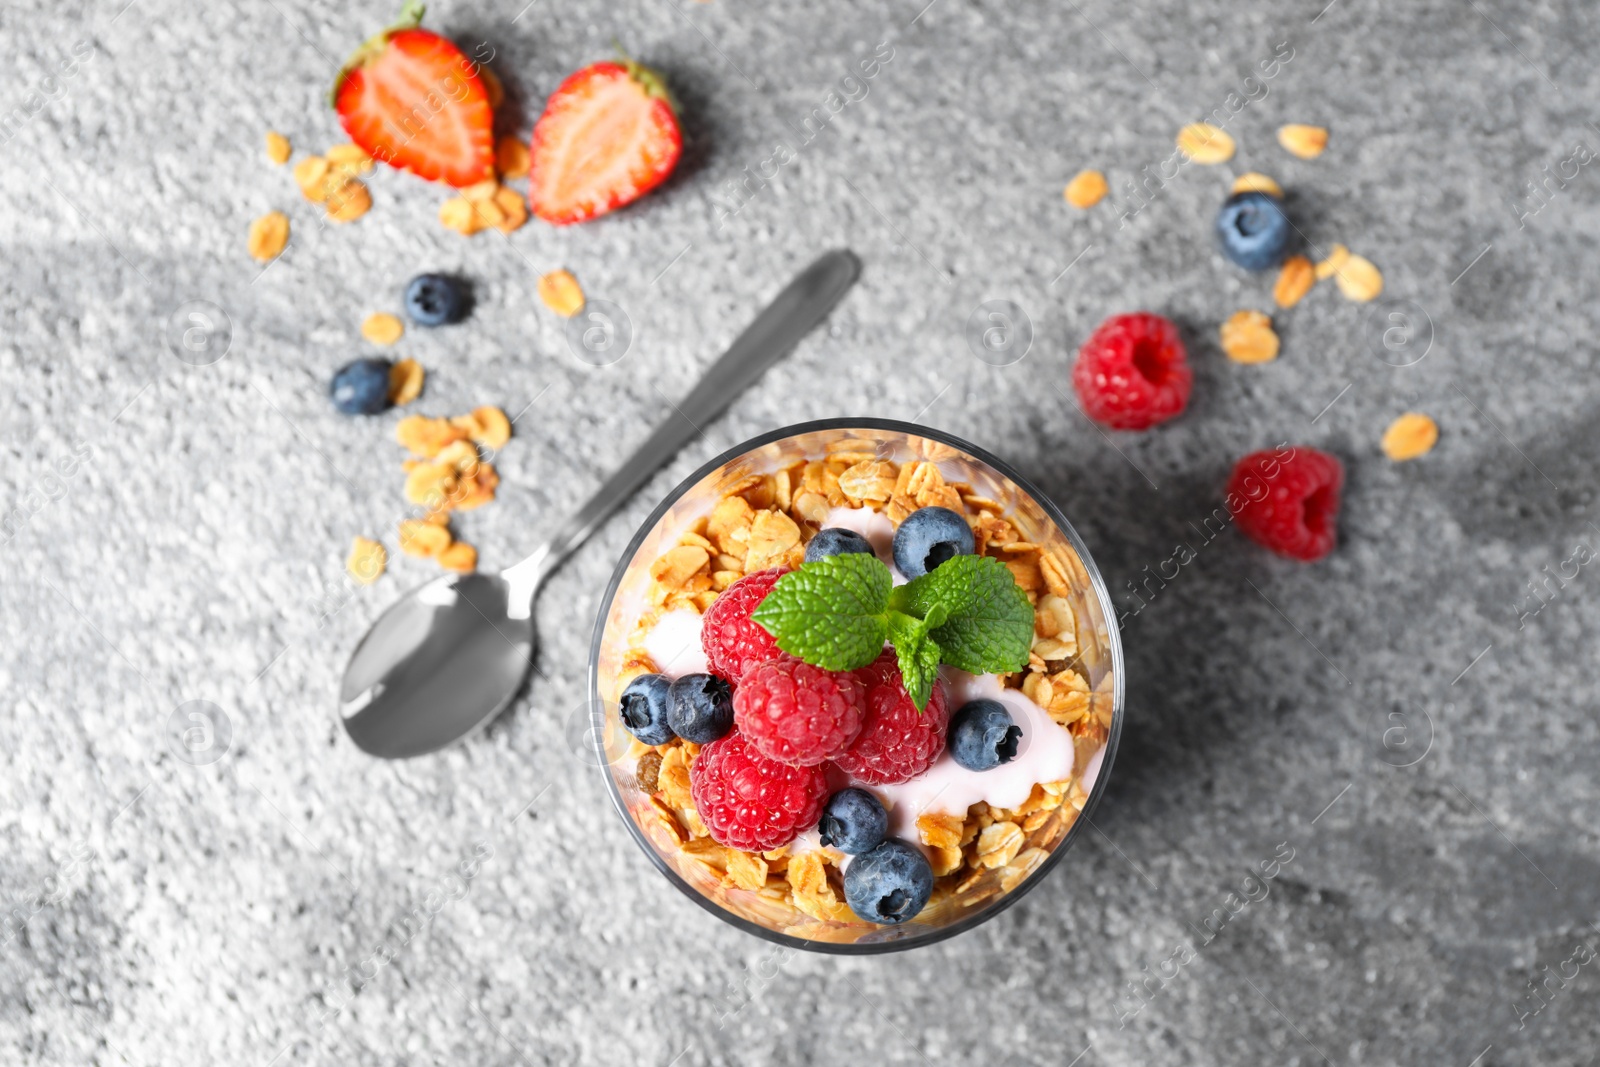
(1254, 230)
(890, 884)
(835, 541)
(361, 387)
(854, 821)
(644, 709)
(983, 735)
(701, 708)
(436, 299)
(928, 537)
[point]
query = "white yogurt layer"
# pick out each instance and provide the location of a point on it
(673, 644)
(1044, 754)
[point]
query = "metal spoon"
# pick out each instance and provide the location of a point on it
(451, 654)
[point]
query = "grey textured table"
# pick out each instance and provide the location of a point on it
(295, 902)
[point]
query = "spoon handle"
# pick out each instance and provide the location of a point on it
(801, 305)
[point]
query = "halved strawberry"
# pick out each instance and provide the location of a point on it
(413, 100)
(608, 135)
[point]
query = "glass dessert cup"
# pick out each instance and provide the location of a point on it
(1093, 700)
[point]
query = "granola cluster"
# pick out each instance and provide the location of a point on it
(764, 520)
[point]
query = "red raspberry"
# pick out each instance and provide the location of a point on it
(1133, 373)
(897, 742)
(750, 802)
(796, 713)
(1288, 500)
(733, 642)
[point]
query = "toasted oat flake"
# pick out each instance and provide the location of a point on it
(672, 778)
(673, 568)
(998, 845)
(746, 870)
(310, 174)
(481, 191)
(513, 209)
(423, 539)
(774, 536)
(1306, 142)
(1022, 865)
(946, 860)
(382, 328)
(807, 875)
(350, 157)
(1338, 256)
(1248, 337)
(1086, 189)
(405, 382)
(487, 213)
(494, 429)
(1294, 281)
(940, 829)
(1358, 279)
(661, 822)
(1254, 182)
(366, 560)
(511, 157)
(350, 202)
(1058, 570)
(278, 149)
(426, 437)
(268, 236)
(457, 214)
(431, 485)
(459, 557)
(1411, 435)
(561, 293)
(869, 480)
(1205, 143)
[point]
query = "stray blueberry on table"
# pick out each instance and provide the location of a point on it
(361, 387)
(836, 541)
(928, 537)
(644, 709)
(983, 735)
(890, 884)
(854, 821)
(701, 708)
(436, 299)
(1254, 231)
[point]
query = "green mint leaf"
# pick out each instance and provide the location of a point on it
(830, 613)
(918, 653)
(988, 623)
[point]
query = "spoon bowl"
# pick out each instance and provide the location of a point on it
(439, 664)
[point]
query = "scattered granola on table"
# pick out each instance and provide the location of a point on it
(1085, 190)
(1409, 436)
(1248, 337)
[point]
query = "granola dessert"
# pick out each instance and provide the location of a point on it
(848, 687)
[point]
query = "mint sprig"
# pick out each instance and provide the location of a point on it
(831, 613)
(988, 623)
(836, 613)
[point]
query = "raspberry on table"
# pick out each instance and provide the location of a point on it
(1133, 372)
(897, 742)
(733, 641)
(1288, 501)
(750, 802)
(796, 713)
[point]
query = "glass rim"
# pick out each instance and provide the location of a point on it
(1000, 903)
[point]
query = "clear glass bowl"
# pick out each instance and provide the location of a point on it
(767, 913)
